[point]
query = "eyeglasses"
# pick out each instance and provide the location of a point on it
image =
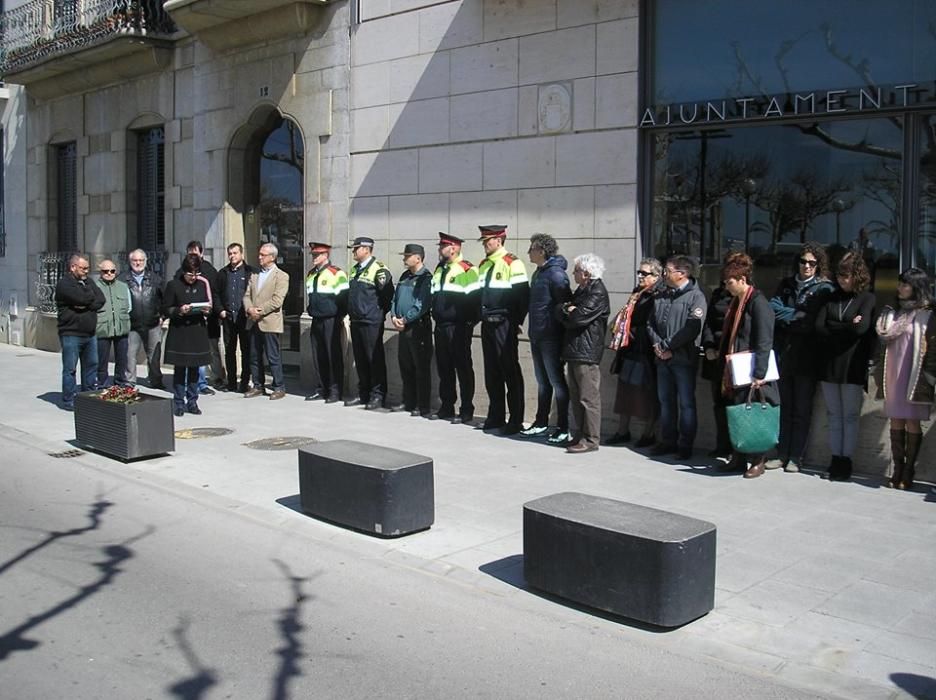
(109, 272)
(808, 263)
(644, 273)
(672, 271)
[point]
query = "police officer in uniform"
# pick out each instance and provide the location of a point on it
(505, 295)
(455, 310)
(327, 292)
(369, 297)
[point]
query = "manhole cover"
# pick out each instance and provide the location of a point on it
(66, 454)
(280, 443)
(198, 433)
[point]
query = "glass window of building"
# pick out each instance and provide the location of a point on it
(66, 196)
(151, 189)
(2, 193)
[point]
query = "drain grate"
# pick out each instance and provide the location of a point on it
(280, 443)
(198, 433)
(66, 454)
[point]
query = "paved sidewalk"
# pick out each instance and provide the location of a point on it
(825, 586)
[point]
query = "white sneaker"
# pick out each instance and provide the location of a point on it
(534, 430)
(775, 464)
(559, 438)
(791, 467)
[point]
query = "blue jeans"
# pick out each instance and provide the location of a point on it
(550, 378)
(676, 392)
(268, 345)
(75, 347)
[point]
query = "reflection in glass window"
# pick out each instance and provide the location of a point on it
(925, 253)
(769, 189)
(735, 48)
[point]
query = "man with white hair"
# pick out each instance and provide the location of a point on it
(263, 303)
(146, 290)
(585, 318)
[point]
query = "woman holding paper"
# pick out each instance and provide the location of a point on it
(187, 303)
(844, 325)
(749, 328)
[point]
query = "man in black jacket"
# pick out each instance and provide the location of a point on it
(585, 318)
(675, 329)
(78, 302)
(229, 305)
(146, 288)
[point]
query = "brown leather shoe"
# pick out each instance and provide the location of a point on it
(581, 448)
(754, 471)
(278, 394)
(256, 391)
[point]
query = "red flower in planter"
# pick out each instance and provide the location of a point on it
(120, 394)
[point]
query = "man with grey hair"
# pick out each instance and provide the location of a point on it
(263, 304)
(78, 301)
(146, 292)
(585, 318)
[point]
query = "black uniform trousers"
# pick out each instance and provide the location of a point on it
(453, 359)
(367, 344)
(236, 333)
(499, 342)
(327, 358)
(416, 366)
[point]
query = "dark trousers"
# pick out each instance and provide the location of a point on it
(367, 344)
(236, 333)
(676, 392)
(547, 367)
(266, 345)
(719, 404)
(499, 341)
(326, 356)
(453, 359)
(796, 404)
(184, 387)
(416, 366)
(121, 346)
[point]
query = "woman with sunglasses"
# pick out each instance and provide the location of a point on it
(906, 376)
(636, 395)
(187, 303)
(796, 305)
(845, 330)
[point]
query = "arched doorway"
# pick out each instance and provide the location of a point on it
(270, 199)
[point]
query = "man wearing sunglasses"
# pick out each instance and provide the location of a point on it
(113, 324)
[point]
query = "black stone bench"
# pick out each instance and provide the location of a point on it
(376, 490)
(641, 563)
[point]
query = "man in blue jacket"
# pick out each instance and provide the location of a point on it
(412, 301)
(78, 302)
(549, 290)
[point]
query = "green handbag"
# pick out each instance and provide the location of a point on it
(754, 427)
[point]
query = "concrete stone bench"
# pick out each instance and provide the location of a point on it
(641, 563)
(376, 490)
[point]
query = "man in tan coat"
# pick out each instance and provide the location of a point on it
(263, 303)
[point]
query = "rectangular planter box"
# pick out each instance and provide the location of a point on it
(144, 428)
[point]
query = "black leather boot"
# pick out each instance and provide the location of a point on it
(914, 440)
(899, 454)
(841, 469)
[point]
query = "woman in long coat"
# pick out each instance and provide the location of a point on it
(908, 372)
(633, 364)
(749, 327)
(187, 303)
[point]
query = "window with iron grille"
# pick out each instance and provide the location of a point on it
(66, 161)
(151, 190)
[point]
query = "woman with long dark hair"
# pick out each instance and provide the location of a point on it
(636, 386)
(844, 325)
(748, 327)
(187, 303)
(796, 305)
(908, 371)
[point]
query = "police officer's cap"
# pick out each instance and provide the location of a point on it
(315, 248)
(492, 231)
(414, 248)
(449, 239)
(362, 241)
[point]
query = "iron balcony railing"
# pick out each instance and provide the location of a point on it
(52, 266)
(41, 29)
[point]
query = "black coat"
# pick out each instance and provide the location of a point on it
(187, 340)
(795, 334)
(227, 299)
(586, 324)
(712, 331)
(639, 348)
(755, 334)
(146, 310)
(846, 346)
(78, 303)
(210, 273)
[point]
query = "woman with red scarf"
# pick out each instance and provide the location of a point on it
(749, 327)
